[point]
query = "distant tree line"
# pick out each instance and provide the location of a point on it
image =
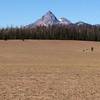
(55, 32)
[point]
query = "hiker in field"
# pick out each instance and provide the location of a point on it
(92, 49)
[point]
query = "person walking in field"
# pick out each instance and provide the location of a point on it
(92, 49)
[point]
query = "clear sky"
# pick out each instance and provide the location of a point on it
(22, 12)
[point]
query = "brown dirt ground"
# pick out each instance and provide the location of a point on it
(49, 70)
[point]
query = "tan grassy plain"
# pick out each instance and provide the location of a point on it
(49, 70)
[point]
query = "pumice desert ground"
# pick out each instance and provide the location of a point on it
(49, 70)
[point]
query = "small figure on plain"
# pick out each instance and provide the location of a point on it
(83, 50)
(92, 49)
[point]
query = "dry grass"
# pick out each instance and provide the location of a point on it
(49, 70)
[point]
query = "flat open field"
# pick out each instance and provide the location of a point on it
(49, 70)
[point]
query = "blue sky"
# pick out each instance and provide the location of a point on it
(22, 12)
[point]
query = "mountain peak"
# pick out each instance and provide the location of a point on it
(49, 15)
(50, 12)
(49, 19)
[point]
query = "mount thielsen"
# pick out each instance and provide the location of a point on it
(50, 19)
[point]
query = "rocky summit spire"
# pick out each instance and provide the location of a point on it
(49, 12)
(49, 18)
